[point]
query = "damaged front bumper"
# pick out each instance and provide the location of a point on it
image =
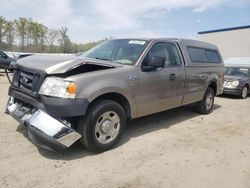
(44, 130)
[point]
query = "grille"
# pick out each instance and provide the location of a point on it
(28, 82)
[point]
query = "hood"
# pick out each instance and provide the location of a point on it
(53, 64)
(231, 78)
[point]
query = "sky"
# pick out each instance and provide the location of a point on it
(91, 20)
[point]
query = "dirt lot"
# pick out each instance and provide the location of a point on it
(177, 148)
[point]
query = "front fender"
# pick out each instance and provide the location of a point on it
(96, 89)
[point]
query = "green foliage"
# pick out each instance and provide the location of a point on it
(2, 30)
(9, 34)
(21, 28)
(87, 46)
(27, 35)
(50, 38)
(64, 40)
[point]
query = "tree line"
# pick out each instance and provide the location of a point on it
(26, 35)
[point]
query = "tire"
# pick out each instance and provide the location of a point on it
(205, 106)
(244, 92)
(103, 126)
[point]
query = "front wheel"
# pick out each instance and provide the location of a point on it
(103, 125)
(206, 104)
(244, 92)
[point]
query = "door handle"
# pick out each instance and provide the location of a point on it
(133, 77)
(200, 76)
(172, 77)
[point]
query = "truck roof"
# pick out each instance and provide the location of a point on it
(191, 42)
(186, 42)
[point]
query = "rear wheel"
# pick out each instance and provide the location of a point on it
(103, 126)
(206, 104)
(244, 92)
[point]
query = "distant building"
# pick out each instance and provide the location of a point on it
(232, 42)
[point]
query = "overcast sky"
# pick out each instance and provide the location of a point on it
(90, 20)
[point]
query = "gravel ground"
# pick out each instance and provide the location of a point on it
(176, 148)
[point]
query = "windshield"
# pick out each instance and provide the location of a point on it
(123, 51)
(236, 71)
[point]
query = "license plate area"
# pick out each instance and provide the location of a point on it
(18, 110)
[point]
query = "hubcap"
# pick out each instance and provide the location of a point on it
(209, 101)
(244, 92)
(107, 127)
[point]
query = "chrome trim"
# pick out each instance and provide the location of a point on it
(53, 128)
(45, 123)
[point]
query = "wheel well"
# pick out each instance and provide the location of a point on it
(120, 99)
(213, 85)
(247, 86)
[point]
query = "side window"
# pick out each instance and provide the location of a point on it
(200, 55)
(212, 56)
(197, 55)
(157, 50)
(174, 55)
(166, 50)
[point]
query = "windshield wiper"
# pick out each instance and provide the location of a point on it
(102, 58)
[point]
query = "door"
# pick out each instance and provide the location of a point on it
(157, 88)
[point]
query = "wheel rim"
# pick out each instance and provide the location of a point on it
(107, 127)
(209, 101)
(244, 92)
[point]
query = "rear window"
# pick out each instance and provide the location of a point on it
(200, 55)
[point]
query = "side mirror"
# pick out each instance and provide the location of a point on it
(154, 63)
(157, 62)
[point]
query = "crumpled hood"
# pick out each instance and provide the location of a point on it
(56, 64)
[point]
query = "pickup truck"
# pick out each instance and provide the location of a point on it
(91, 97)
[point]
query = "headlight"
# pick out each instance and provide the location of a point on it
(58, 87)
(235, 83)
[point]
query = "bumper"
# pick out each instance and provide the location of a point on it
(56, 107)
(219, 91)
(44, 130)
(232, 91)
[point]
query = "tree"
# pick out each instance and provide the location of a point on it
(64, 40)
(74, 48)
(21, 28)
(42, 35)
(36, 37)
(89, 45)
(51, 37)
(10, 32)
(29, 29)
(2, 30)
